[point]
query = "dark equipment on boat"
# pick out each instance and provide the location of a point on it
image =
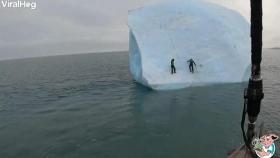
(253, 95)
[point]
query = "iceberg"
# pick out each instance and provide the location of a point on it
(217, 38)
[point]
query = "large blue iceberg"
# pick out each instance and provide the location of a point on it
(217, 38)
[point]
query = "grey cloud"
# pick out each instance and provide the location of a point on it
(72, 26)
(271, 13)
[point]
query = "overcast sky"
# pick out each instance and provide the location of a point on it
(84, 26)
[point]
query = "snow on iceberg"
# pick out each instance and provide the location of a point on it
(217, 38)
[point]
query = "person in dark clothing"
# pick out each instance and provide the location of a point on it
(191, 63)
(173, 69)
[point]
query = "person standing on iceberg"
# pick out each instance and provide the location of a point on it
(173, 69)
(191, 63)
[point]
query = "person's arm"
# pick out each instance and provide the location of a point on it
(194, 63)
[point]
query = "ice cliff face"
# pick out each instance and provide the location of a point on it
(218, 39)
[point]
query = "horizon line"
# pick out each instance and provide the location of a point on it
(83, 53)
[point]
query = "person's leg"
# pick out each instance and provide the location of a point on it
(171, 70)
(174, 69)
(190, 68)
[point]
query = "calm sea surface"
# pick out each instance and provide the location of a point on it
(88, 106)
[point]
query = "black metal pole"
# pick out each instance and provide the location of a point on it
(254, 92)
(256, 35)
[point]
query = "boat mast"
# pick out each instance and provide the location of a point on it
(254, 92)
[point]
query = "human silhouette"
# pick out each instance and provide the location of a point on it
(191, 63)
(173, 69)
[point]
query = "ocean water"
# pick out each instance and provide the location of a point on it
(88, 106)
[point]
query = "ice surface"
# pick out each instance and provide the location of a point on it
(217, 38)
